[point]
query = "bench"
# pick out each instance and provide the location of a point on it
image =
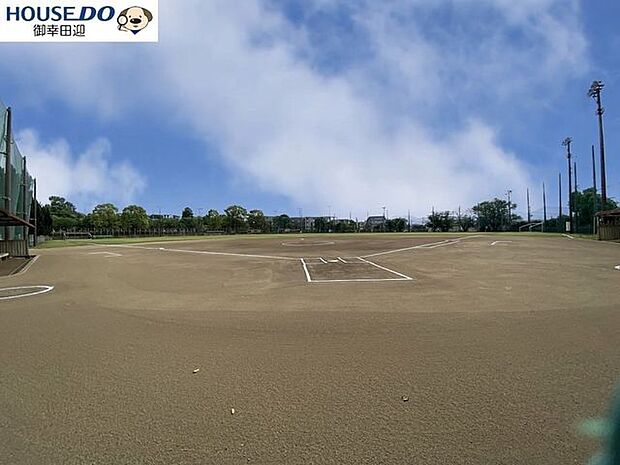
(4, 256)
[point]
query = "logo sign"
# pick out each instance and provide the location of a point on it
(79, 21)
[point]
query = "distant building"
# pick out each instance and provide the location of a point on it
(164, 217)
(375, 223)
(306, 223)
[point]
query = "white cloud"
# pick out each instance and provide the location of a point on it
(86, 178)
(366, 136)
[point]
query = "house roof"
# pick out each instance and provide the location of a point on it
(614, 212)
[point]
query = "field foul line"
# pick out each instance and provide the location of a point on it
(25, 269)
(568, 235)
(108, 254)
(431, 245)
(402, 277)
(361, 280)
(408, 278)
(203, 252)
(308, 278)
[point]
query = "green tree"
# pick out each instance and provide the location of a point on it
(396, 225)
(134, 217)
(105, 216)
(63, 213)
(213, 220)
(440, 221)
(236, 217)
(322, 224)
(44, 219)
(257, 221)
(465, 222)
(583, 202)
(492, 215)
(283, 222)
(187, 218)
(85, 222)
(344, 226)
(61, 207)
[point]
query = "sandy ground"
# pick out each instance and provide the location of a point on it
(501, 350)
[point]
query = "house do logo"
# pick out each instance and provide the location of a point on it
(134, 19)
(78, 21)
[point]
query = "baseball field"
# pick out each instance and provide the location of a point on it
(444, 349)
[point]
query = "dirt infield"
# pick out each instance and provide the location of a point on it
(500, 346)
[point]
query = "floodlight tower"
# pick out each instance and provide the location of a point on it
(383, 219)
(595, 93)
(509, 193)
(566, 143)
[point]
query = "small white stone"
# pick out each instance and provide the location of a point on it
(196, 370)
(232, 411)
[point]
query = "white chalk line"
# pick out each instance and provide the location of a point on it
(501, 242)
(617, 267)
(308, 278)
(431, 245)
(25, 269)
(401, 276)
(408, 278)
(307, 244)
(203, 252)
(108, 254)
(43, 290)
(568, 235)
(360, 280)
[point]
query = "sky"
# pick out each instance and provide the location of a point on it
(340, 107)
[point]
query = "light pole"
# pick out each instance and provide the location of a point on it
(383, 219)
(529, 211)
(594, 189)
(566, 143)
(508, 193)
(544, 208)
(595, 93)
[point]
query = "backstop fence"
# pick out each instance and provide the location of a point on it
(16, 190)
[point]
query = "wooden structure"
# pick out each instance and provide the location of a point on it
(609, 225)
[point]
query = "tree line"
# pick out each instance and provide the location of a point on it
(492, 215)
(499, 215)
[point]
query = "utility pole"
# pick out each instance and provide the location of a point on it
(575, 199)
(7, 170)
(594, 193)
(560, 195)
(36, 214)
(24, 196)
(566, 143)
(509, 209)
(408, 220)
(529, 211)
(544, 208)
(595, 93)
(383, 219)
(301, 220)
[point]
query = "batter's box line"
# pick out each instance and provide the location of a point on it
(401, 276)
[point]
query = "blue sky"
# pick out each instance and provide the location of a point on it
(342, 105)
